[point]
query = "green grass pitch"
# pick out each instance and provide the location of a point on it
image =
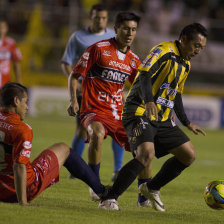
(69, 202)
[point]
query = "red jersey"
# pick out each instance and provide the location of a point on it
(8, 52)
(105, 69)
(15, 146)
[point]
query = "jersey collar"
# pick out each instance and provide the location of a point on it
(114, 43)
(177, 43)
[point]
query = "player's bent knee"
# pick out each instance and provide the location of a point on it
(192, 156)
(145, 155)
(61, 150)
(189, 157)
(97, 135)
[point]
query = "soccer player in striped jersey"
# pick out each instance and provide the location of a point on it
(156, 91)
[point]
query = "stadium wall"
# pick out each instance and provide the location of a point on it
(205, 111)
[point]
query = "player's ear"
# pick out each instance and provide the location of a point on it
(16, 101)
(184, 39)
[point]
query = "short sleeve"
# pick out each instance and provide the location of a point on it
(22, 150)
(70, 51)
(87, 60)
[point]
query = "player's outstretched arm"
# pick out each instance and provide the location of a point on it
(19, 170)
(196, 129)
(72, 86)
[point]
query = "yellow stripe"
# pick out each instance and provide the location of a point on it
(166, 114)
(140, 110)
(158, 82)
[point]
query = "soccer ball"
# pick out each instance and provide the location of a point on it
(214, 194)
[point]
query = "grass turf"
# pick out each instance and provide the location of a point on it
(69, 202)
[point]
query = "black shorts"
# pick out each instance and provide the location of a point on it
(165, 135)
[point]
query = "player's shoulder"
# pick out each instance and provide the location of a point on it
(103, 43)
(27, 126)
(10, 40)
(133, 54)
(166, 47)
(24, 131)
(24, 127)
(79, 33)
(110, 31)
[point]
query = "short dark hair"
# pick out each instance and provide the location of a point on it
(190, 30)
(126, 16)
(9, 91)
(98, 7)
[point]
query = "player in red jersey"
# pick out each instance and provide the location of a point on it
(9, 52)
(105, 66)
(20, 180)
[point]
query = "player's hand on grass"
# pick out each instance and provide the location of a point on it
(196, 129)
(151, 110)
(24, 203)
(73, 109)
(28, 204)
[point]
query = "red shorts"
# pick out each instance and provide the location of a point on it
(113, 127)
(46, 169)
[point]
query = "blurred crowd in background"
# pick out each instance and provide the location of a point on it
(42, 29)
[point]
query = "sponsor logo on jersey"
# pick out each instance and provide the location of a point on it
(86, 55)
(5, 55)
(133, 63)
(2, 117)
(25, 153)
(165, 102)
(150, 57)
(5, 125)
(27, 145)
(170, 91)
(82, 63)
(5, 66)
(114, 76)
(106, 53)
(103, 44)
(119, 65)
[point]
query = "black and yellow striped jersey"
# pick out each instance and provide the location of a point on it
(168, 71)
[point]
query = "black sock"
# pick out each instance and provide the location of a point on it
(125, 177)
(170, 170)
(78, 168)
